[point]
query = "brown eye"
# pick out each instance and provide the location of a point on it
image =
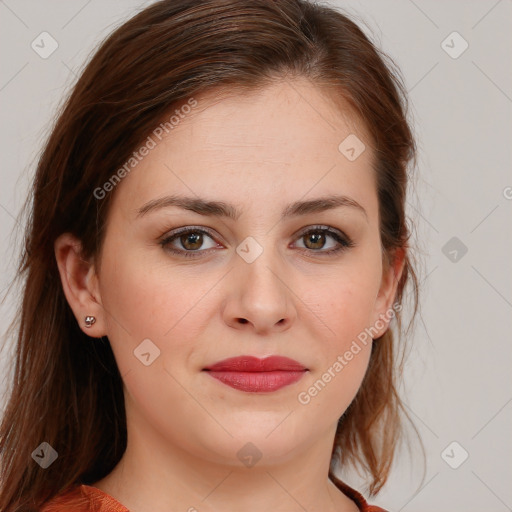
(324, 241)
(314, 240)
(192, 240)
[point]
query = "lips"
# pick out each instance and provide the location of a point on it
(251, 374)
(254, 364)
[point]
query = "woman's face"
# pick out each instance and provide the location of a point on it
(262, 281)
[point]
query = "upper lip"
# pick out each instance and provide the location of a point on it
(255, 364)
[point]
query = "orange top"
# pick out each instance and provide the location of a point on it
(85, 498)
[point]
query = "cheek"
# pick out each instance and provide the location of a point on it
(343, 354)
(146, 299)
(346, 315)
(343, 303)
(143, 301)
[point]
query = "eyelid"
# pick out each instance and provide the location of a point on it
(185, 229)
(322, 227)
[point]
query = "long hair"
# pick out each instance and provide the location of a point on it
(67, 391)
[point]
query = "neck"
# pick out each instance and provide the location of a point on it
(149, 478)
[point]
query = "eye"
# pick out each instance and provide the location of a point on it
(189, 241)
(315, 239)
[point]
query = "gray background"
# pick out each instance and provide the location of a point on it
(458, 385)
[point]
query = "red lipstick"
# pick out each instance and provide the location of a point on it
(251, 374)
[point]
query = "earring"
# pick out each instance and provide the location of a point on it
(89, 320)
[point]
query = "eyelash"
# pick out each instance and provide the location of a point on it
(344, 241)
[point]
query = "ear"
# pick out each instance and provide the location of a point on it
(383, 310)
(80, 284)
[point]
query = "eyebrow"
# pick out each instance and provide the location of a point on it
(222, 209)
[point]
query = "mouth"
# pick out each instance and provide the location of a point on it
(254, 375)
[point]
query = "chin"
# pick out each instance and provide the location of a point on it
(261, 441)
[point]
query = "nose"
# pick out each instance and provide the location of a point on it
(259, 300)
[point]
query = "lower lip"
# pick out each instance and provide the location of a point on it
(258, 382)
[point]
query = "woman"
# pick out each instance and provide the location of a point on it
(217, 247)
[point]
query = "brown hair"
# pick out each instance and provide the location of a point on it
(66, 390)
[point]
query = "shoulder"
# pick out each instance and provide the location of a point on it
(72, 499)
(373, 508)
(83, 498)
(356, 496)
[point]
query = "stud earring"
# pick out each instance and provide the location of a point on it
(89, 320)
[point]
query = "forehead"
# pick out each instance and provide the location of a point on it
(264, 144)
(287, 115)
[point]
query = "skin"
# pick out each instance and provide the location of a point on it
(259, 151)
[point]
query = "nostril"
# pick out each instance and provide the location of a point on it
(242, 320)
